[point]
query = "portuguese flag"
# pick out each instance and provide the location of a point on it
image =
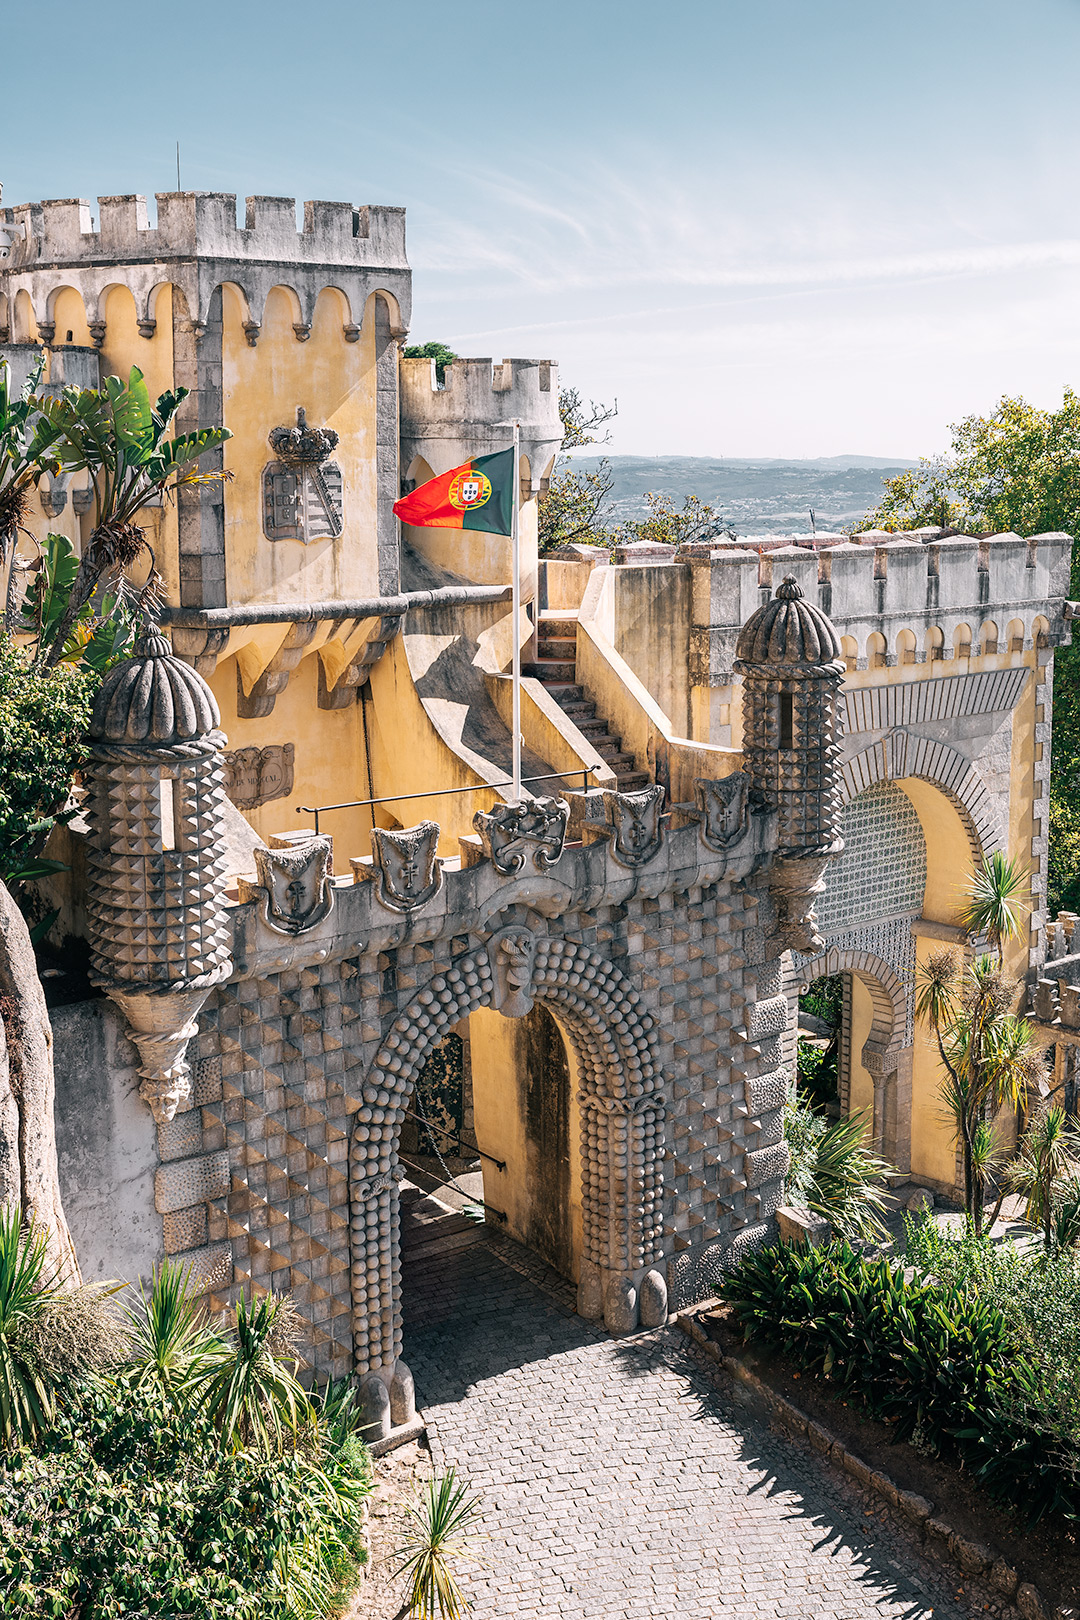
(477, 495)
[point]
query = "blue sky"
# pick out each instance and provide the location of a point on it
(777, 227)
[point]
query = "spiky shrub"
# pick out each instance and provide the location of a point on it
(834, 1170)
(171, 1343)
(250, 1392)
(50, 1336)
(437, 1535)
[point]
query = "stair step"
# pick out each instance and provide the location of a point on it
(630, 781)
(593, 726)
(557, 625)
(620, 762)
(580, 711)
(549, 670)
(566, 692)
(557, 647)
(610, 747)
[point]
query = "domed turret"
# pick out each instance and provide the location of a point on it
(789, 657)
(153, 697)
(155, 873)
(788, 630)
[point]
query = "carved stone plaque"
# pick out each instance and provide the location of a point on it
(303, 503)
(255, 776)
(722, 809)
(303, 495)
(295, 885)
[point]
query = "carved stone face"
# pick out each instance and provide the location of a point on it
(635, 818)
(723, 807)
(512, 955)
(410, 873)
(298, 892)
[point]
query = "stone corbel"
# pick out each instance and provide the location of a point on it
(199, 647)
(97, 333)
(342, 691)
(795, 884)
(46, 332)
(161, 1023)
(302, 330)
(259, 702)
(147, 328)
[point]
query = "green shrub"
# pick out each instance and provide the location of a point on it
(130, 1505)
(934, 1359)
(834, 1171)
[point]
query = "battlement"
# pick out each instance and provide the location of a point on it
(202, 224)
(901, 598)
(471, 411)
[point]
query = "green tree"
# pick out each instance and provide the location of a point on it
(671, 525)
(989, 1055)
(22, 461)
(121, 438)
(571, 509)
(995, 902)
(1016, 469)
(439, 352)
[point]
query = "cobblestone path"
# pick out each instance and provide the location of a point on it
(625, 1478)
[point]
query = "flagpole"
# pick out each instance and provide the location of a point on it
(515, 556)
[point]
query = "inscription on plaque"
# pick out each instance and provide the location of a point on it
(255, 776)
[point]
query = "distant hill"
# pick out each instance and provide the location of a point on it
(754, 496)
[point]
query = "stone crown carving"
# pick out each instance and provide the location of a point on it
(153, 698)
(788, 630)
(302, 446)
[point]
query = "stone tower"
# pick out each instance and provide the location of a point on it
(789, 657)
(156, 858)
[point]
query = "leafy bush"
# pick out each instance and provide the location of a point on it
(43, 720)
(131, 1506)
(935, 1359)
(834, 1171)
(49, 1336)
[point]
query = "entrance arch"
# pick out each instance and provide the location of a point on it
(621, 1140)
(885, 1054)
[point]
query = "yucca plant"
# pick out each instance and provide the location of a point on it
(119, 436)
(1045, 1169)
(171, 1342)
(251, 1393)
(438, 1524)
(991, 1058)
(49, 1335)
(847, 1182)
(997, 897)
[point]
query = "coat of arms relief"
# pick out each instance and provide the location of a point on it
(303, 491)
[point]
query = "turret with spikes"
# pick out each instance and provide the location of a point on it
(155, 875)
(789, 657)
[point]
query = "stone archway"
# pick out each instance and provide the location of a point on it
(621, 1143)
(904, 753)
(886, 1053)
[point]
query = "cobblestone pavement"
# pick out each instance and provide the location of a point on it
(626, 1478)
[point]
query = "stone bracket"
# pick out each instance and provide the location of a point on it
(259, 702)
(344, 689)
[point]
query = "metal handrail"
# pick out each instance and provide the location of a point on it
(452, 1136)
(317, 810)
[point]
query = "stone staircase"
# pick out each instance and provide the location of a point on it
(556, 668)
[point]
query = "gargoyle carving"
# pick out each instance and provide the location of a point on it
(512, 955)
(516, 835)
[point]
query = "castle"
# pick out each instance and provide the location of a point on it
(298, 869)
